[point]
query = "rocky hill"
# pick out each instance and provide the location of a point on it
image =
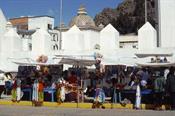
(128, 17)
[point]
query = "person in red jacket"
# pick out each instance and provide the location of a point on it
(72, 79)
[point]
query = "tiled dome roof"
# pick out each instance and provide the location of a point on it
(82, 19)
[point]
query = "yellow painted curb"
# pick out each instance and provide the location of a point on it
(119, 106)
(80, 105)
(151, 106)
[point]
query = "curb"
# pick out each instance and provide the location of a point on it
(79, 105)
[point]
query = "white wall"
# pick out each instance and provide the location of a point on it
(25, 44)
(11, 47)
(129, 45)
(40, 22)
(55, 34)
(128, 41)
(91, 39)
(167, 23)
(147, 37)
(11, 42)
(73, 39)
(109, 38)
(3, 23)
(41, 42)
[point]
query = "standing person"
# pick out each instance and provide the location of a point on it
(170, 86)
(166, 72)
(14, 86)
(35, 91)
(159, 89)
(144, 77)
(99, 98)
(41, 91)
(16, 91)
(60, 91)
(72, 79)
(38, 94)
(138, 94)
(117, 88)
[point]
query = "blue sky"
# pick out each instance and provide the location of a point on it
(16, 8)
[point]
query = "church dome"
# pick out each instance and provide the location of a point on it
(82, 19)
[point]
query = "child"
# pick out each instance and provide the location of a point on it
(99, 98)
(60, 91)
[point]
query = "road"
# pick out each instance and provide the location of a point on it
(54, 111)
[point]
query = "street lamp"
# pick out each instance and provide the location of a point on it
(61, 14)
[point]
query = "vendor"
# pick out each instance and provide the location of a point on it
(72, 79)
(16, 91)
(38, 94)
(159, 89)
(138, 93)
(60, 86)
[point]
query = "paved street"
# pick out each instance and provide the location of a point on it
(53, 111)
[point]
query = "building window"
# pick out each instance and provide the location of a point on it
(54, 38)
(55, 47)
(57, 37)
(49, 26)
(134, 46)
(153, 3)
(121, 46)
(30, 46)
(97, 47)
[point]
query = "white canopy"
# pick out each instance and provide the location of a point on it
(77, 62)
(156, 64)
(56, 61)
(164, 52)
(31, 62)
(119, 57)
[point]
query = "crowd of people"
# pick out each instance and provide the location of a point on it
(161, 82)
(75, 84)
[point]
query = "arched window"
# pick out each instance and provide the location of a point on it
(54, 38)
(30, 46)
(97, 47)
(55, 47)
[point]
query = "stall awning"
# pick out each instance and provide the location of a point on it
(31, 62)
(142, 55)
(155, 52)
(77, 62)
(155, 64)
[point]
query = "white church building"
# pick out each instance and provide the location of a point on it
(83, 37)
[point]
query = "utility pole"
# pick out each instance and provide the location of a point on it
(146, 13)
(61, 15)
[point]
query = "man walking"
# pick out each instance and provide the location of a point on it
(171, 87)
(159, 89)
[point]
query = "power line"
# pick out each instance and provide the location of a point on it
(146, 15)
